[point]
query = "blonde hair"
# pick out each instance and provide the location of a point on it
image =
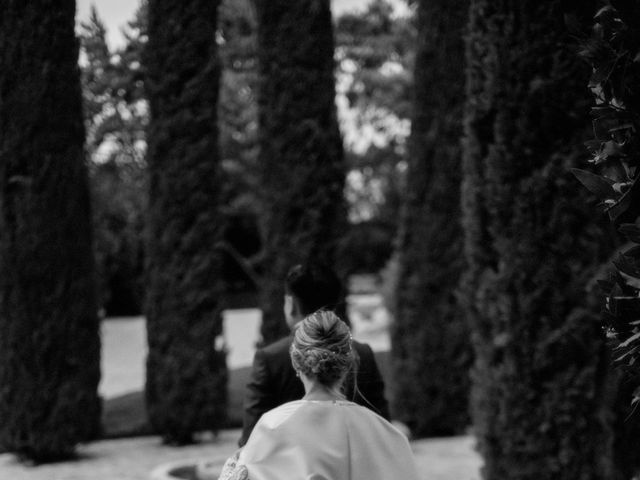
(322, 348)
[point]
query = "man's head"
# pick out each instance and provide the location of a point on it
(310, 287)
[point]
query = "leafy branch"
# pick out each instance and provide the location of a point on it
(613, 51)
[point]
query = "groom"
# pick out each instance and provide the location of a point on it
(273, 381)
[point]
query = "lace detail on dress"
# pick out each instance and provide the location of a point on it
(232, 471)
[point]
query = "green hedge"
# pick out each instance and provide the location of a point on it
(532, 245)
(431, 348)
(301, 160)
(49, 340)
(186, 375)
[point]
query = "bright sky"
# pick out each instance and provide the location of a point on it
(116, 13)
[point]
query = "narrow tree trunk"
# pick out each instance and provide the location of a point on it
(49, 331)
(431, 347)
(532, 246)
(301, 157)
(186, 375)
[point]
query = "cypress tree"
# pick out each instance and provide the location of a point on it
(49, 331)
(430, 340)
(538, 398)
(186, 375)
(301, 158)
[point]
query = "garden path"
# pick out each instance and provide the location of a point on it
(136, 458)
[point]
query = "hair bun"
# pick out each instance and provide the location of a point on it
(321, 347)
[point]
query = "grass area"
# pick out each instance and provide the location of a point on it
(125, 415)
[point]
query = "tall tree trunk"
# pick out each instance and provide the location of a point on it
(531, 246)
(49, 331)
(301, 157)
(186, 375)
(431, 347)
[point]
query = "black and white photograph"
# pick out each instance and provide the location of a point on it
(319, 240)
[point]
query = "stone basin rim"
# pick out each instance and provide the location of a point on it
(163, 472)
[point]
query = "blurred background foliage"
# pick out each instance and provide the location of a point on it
(374, 59)
(116, 115)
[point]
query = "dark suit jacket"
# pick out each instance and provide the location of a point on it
(273, 382)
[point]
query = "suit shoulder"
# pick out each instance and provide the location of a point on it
(362, 348)
(277, 347)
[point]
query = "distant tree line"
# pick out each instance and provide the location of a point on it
(117, 112)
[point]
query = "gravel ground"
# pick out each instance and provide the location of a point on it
(135, 458)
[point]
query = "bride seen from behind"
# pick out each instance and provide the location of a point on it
(323, 436)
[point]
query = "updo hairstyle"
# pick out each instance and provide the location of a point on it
(321, 348)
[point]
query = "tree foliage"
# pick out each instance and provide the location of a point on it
(376, 83)
(614, 53)
(50, 345)
(238, 122)
(378, 50)
(430, 340)
(186, 374)
(301, 161)
(540, 373)
(374, 54)
(116, 115)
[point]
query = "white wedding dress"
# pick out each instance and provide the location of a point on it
(323, 440)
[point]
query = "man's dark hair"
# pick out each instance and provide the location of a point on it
(315, 286)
